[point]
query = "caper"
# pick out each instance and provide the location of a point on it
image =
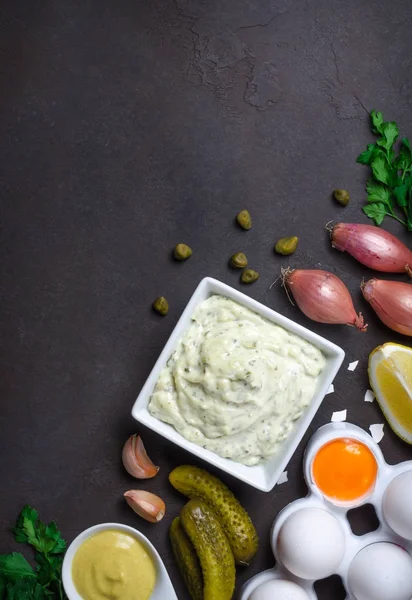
(244, 219)
(182, 252)
(238, 260)
(161, 306)
(286, 245)
(341, 196)
(249, 276)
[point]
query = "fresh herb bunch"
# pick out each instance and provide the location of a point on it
(390, 187)
(18, 579)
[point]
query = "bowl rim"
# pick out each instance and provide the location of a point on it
(67, 579)
(207, 287)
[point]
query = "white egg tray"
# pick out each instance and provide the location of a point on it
(370, 580)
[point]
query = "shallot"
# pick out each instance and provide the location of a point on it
(392, 302)
(322, 297)
(373, 247)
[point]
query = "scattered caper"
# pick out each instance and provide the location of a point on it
(286, 245)
(161, 306)
(182, 252)
(341, 196)
(249, 276)
(238, 260)
(244, 219)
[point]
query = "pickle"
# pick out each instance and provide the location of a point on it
(197, 483)
(212, 547)
(186, 559)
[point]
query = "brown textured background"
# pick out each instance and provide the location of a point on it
(127, 127)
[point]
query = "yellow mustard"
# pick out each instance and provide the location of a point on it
(113, 565)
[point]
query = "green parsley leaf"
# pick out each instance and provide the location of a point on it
(409, 223)
(381, 170)
(14, 566)
(408, 185)
(377, 192)
(26, 589)
(3, 584)
(406, 144)
(367, 156)
(377, 121)
(402, 163)
(24, 526)
(392, 174)
(375, 211)
(49, 546)
(401, 195)
(49, 568)
(390, 133)
(53, 533)
(31, 530)
(404, 160)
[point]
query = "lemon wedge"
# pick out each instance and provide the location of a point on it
(390, 376)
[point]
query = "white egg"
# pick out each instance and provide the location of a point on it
(278, 589)
(381, 571)
(397, 506)
(311, 543)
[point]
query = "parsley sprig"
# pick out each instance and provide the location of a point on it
(18, 579)
(390, 187)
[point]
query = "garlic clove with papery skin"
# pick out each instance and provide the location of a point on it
(135, 459)
(146, 505)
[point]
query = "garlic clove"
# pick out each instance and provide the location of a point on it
(135, 459)
(146, 505)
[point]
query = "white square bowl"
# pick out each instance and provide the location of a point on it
(265, 475)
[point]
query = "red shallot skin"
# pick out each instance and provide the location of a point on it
(392, 302)
(323, 297)
(373, 247)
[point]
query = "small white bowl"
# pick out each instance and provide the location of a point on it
(263, 476)
(163, 588)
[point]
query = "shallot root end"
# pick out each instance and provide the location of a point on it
(284, 274)
(275, 282)
(360, 323)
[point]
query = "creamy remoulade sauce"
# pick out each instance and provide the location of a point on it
(236, 382)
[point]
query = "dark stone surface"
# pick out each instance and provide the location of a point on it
(127, 127)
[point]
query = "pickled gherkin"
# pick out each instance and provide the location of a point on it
(237, 525)
(212, 547)
(187, 559)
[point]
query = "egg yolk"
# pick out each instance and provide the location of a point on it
(344, 470)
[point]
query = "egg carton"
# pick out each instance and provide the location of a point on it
(383, 566)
